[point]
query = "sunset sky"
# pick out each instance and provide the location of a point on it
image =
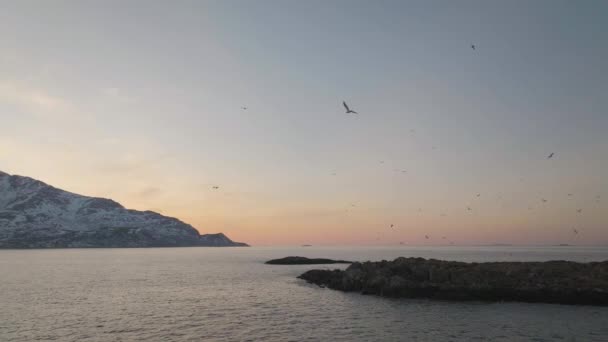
(140, 101)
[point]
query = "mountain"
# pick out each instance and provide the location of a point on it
(36, 215)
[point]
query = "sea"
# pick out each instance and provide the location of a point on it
(229, 294)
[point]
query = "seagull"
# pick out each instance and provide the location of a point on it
(544, 200)
(575, 231)
(473, 46)
(348, 110)
(215, 187)
(550, 156)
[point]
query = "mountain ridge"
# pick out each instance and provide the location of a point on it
(34, 214)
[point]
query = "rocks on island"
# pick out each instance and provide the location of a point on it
(297, 260)
(563, 282)
(36, 215)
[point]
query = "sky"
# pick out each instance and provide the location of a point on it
(141, 102)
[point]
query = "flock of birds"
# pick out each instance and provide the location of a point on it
(348, 110)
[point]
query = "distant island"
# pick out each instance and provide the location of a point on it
(297, 260)
(562, 282)
(36, 215)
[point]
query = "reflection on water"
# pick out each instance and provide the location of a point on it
(228, 294)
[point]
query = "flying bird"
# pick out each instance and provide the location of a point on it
(469, 208)
(244, 108)
(473, 46)
(575, 231)
(348, 110)
(426, 237)
(215, 187)
(544, 200)
(579, 210)
(551, 155)
(478, 195)
(392, 225)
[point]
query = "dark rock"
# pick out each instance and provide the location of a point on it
(563, 282)
(296, 260)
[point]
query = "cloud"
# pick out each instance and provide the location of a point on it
(117, 94)
(32, 99)
(148, 192)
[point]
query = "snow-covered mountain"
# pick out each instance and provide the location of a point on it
(36, 215)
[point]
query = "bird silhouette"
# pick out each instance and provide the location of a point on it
(244, 108)
(392, 225)
(579, 210)
(469, 208)
(426, 237)
(551, 155)
(478, 195)
(544, 200)
(215, 187)
(575, 231)
(473, 46)
(348, 110)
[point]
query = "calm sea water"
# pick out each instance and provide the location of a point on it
(228, 294)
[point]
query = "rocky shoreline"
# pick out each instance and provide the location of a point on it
(561, 282)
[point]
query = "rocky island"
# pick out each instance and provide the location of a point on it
(36, 215)
(297, 260)
(562, 282)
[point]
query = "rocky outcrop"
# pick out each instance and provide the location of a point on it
(36, 215)
(563, 282)
(297, 260)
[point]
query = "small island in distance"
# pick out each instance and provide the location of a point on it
(36, 215)
(297, 260)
